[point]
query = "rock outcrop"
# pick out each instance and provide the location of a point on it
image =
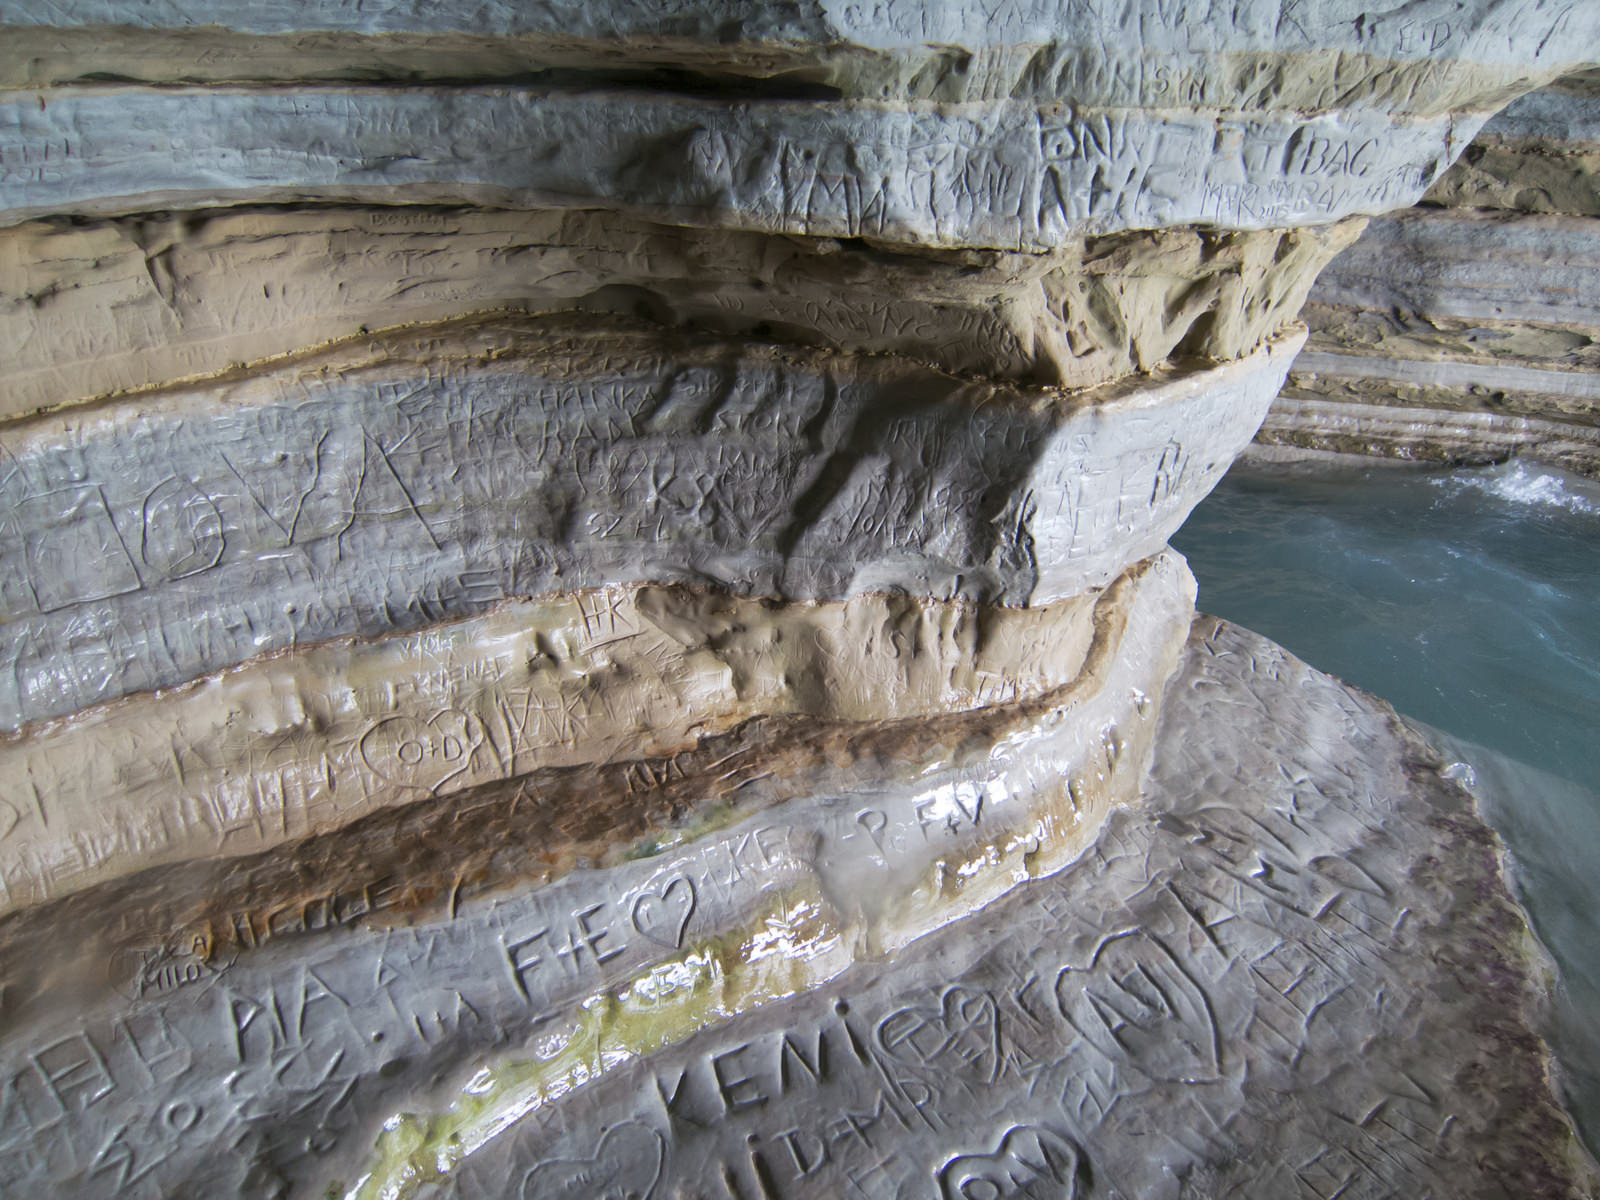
(1465, 330)
(589, 611)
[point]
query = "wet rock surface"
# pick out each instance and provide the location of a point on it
(1239, 941)
(585, 608)
(1300, 906)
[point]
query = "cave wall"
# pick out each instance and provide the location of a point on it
(587, 610)
(1464, 330)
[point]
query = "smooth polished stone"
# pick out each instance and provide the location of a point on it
(923, 1006)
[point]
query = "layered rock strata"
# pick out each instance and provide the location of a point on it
(303, 742)
(1465, 330)
(94, 307)
(1425, 59)
(559, 550)
(1538, 155)
(441, 471)
(748, 1010)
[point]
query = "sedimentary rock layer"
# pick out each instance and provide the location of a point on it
(1470, 285)
(766, 839)
(1477, 321)
(715, 1017)
(1540, 155)
(1002, 174)
(1381, 423)
(674, 711)
(1423, 58)
(1078, 739)
(179, 533)
(88, 308)
(301, 743)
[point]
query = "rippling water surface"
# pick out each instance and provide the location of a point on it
(1470, 600)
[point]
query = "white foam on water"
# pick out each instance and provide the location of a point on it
(1526, 483)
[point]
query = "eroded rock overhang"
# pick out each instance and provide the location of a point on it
(1464, 330)
(550, 539)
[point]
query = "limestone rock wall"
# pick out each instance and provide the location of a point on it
(108, 306)
(550, 546)
(1466, 329)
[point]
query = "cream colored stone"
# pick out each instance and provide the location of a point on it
(126, 304)
(1307, 419)
(944, 808)
(303, 742)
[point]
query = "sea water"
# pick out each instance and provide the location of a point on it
(1470, 600)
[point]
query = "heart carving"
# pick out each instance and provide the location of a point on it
(426, 754)
(1031, 1163)
(961, 1033)
(662, 916)
(625, 1166)
(1137, 1004)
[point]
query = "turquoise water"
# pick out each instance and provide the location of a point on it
(1470, 600)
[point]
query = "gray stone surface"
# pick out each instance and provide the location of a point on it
(1004, 174)
(1550, 115)
(1540, 155)
(276, 1065)
(1290, 969)
(1548, 822)
(1465, 329)
(1304, 419)
(1499, 31)
(429, 476)
(294, 744)
(1445, 373)
(1226, 998)
(1472, 265)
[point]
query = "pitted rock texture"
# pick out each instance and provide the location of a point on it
(427, 475)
